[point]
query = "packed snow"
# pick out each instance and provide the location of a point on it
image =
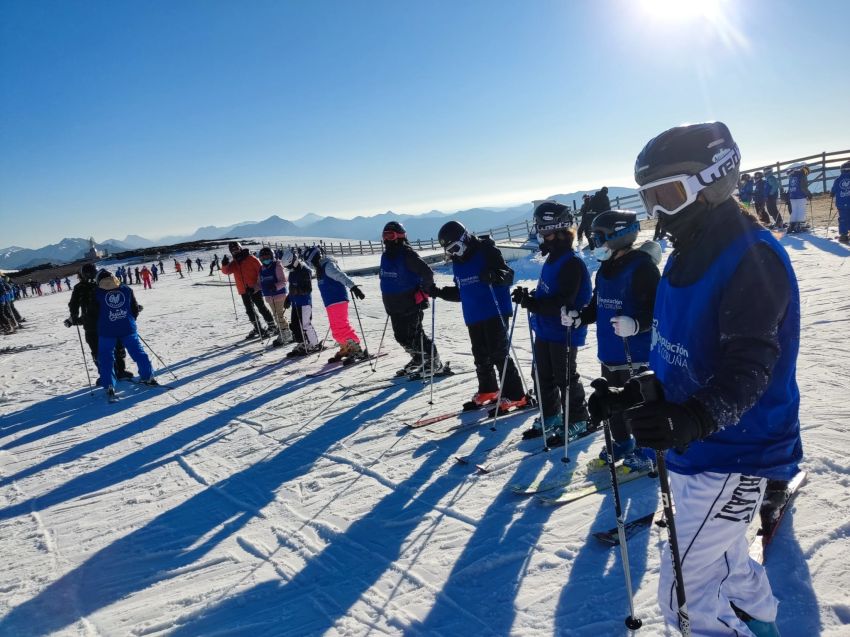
(253, 499)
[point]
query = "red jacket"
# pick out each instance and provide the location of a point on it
(246, 271)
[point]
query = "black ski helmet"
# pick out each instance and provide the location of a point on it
(550, 216)
(616, 228)
(705, 151)
(394, 226)
(88, 272)
(450, 232)
(314, 254)
(234, 247)
(845, 167)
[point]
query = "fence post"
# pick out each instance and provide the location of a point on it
(618, 202)
(779, 177)
(527, 227)
(509, 233)
(823, 164)
(419, 244)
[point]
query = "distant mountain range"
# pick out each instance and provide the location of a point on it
(423, 226)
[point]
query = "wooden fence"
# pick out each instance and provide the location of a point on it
(823, 167)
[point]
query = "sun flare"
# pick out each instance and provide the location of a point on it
(684, 10)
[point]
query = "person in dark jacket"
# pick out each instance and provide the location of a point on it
(300, 298)
(587, 216)
(482, 286)
(564, 282)
(116, 310)
(621, 306)
(189, 264)
(798, 195)
(404, 279)
(760, 197)
(840, 192)
(82, 308)
(773, 190)
(725, 337)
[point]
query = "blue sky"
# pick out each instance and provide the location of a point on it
(157, 117)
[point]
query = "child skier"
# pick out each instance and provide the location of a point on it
(482, 285)
(841, 192)
(333, 286)
(273, 286)
(564, 282)
(621, 306)
(404, 279)
(116, 310)
(301, 299)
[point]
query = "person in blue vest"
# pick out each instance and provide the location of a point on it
(773, 189)
(725, 336)
(564, 282)
(745, 189)
(798, 195)
(621, 306)
(273, 287)
(841, 193)
(334, 285)
(482, 286)
(116, 310)
(404, 280)
(300, 298)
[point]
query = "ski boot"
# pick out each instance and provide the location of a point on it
(111, 396)
(480, 399)
(125, 375)
(510, 404)
(302, 349)
(757, 627)
(252, 334)
(554, 426)
(621, 449)
(150, 382)
(640, 460)
(283, 338)
(844, 238)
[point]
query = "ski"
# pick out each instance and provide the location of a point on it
(468, 423)
(423, 422)
(330, 368)
(612, 538)
(162, 386)
(445, 370)
(772, 517)
(578, 476)
(571, 495)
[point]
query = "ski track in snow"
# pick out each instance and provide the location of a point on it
(252, 500)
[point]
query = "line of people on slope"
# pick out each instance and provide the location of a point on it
(10, 319)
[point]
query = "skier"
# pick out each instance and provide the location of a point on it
(773, 188)
(178, 268)
(138, 276)
(564, 282)
(404, 278)
(482, 286)
(273, 286)
(67, 284)
(301, 299)
(199, 264)
(585, 223)
(116, 310)
(52, 286)
(760, 198)
(188, 264)
(82, 307)
(146, 278)
(161, 267)
(841, 193)
(621, 306)
(245, 269)
(745, 189)
(798, 193)
(214, 264)
(155, 272)
(333, 286)
(725, 336)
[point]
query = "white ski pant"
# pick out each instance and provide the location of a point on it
(713, 511)
(798, 210)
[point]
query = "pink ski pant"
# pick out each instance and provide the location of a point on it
(340, 327)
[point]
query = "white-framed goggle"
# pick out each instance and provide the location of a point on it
(672, 194)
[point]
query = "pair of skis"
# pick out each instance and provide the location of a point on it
(334, 366)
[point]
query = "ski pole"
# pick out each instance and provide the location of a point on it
(381, 343)
(669, 522)
(566, 457)
(537, 380)
(504, 325)
(164, 364)
(422, 348)
(233, 298)
(362, 333)
(85, 363)
(433, 336)
(322, 343)
(505, 368)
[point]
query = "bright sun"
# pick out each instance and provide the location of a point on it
(684, 10)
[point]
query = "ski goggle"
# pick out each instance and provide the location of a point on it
(392, 235)
(266, 261)
(600, 237)
(456, 248)
(673, 194)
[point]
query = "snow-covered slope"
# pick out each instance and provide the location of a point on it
(255, 500)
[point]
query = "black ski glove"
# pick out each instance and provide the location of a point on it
(488, 275)
(249, 291)
(664, 425)
(68, 322)
(519, 295)
(287, 303)
(435, 292)
(225, 260)
(356, 291)
(139, 308)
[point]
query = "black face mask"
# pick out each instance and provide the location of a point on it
(683, 223)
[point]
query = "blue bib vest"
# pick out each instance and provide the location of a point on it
(841, 190)
(395, 277)
(268, 281)
(300, 279)
(332, 291)
(476, 297)
(114, 316)
(795, 191)
(614, 298)
(549, 328)
(685, 350)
